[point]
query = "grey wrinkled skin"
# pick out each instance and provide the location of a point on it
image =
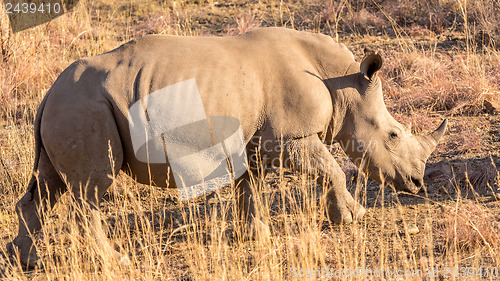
(302, 88)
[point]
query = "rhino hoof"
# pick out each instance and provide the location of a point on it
(345, 214)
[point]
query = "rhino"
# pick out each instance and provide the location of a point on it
(304, 89)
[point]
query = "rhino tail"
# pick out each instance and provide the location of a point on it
(38, 143)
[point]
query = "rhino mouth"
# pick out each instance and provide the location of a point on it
(414, 184)
(417, 182)
(402, 182)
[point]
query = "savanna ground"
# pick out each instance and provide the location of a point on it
(441, 60)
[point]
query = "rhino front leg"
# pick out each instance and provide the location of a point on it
(313, 157)
(248, 212)
(245, 198)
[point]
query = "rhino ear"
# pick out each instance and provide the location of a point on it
(370, 65)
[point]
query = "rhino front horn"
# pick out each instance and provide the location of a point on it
(439, 132)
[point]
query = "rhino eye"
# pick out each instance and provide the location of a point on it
(393, 135)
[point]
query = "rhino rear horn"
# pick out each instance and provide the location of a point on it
(370, 65)
(439, 132)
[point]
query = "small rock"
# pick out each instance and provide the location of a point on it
(122, 260)
(412, 229)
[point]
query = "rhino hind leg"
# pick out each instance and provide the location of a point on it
(86, 149)
(43, 191)
(313, 157)
(78, 139)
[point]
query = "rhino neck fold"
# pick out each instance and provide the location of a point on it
(342, 101)
(335, 73)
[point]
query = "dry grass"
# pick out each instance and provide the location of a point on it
(453, 82)
(469, 137)
(245, 23)
(468, 225)
(440, 59)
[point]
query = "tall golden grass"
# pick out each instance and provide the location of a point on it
(168, 239)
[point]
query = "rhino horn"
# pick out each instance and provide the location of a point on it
(439, 132)
(429, 142)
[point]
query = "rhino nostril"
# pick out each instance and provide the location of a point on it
(417, 182)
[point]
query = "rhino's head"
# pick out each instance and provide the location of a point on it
(378, 144)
